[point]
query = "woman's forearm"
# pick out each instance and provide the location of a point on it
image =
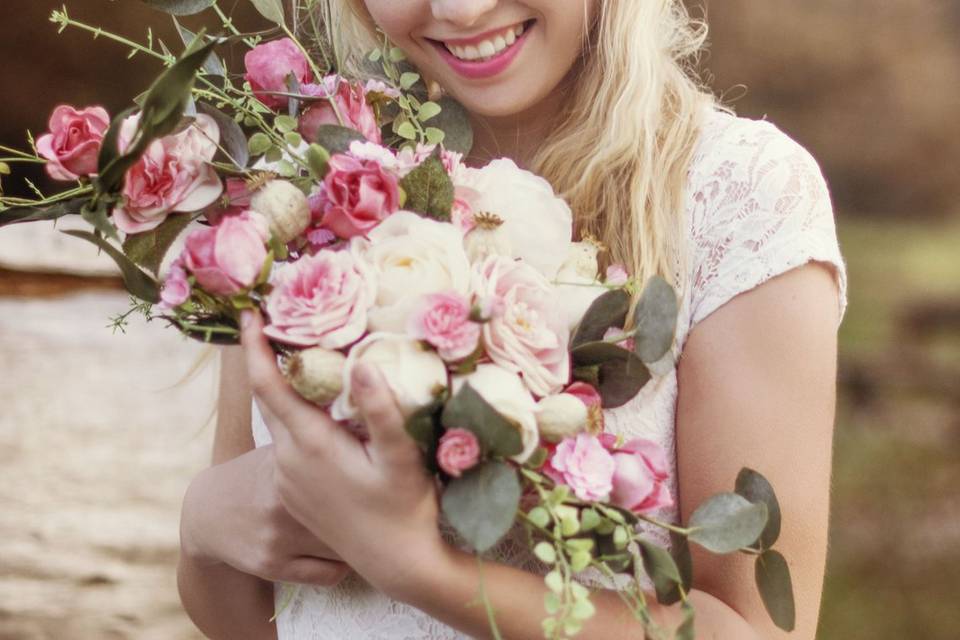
(449, 591)
(224, 603)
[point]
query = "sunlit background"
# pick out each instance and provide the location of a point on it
(98, 440)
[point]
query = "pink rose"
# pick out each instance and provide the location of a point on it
(640, 479)
(593, 401)
(352, 106)
(584, 465)
(443, 320)
(616, 275)
(458, 451)
(176, 288)
(173, 175)
(356, 196)
(270, 64)
(73, 144)
(530, 335)
(228, 258)
(320, 300)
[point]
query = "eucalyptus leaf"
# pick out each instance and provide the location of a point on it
(482, 504)
(616, 373)
(608, 310)
(454, 121)
(662, 570)
(148, 248)
(213, 65)
(337, 139)
(686, 631)
(726, 522)
(232, 138)
(776, 588)
(429, 190)
(270, 9)
(756, 488)
(139, 283)
(468, 410)
(656, 320)
(15, 215)
(423, 425)
(180, 7)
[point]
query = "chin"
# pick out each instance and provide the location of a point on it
(496, 103)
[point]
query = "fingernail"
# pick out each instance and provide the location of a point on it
(363, 375)
(246, 317)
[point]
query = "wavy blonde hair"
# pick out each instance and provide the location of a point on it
(620, 152)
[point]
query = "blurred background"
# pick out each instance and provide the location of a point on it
(94, 459)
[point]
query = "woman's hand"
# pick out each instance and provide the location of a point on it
(232, 515)
(373, 502)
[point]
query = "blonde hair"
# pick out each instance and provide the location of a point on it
(620, 152)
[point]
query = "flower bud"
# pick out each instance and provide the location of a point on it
(285, 208)
(316, 374)
(487, 238)
(561, 416)
(581, 261)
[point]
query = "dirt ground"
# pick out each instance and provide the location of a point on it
(98, 442)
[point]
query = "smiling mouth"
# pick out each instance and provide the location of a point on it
(493, 45)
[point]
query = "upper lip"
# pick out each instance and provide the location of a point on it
(480, 37)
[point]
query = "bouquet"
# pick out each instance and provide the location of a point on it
(341, 207)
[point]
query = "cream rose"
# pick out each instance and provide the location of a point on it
(415, 374)
(538, 224)
(505, 392)
(411, 256)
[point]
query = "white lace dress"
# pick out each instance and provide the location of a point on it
(757, 206)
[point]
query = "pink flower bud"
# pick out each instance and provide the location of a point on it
(73, 143)
(458, 451)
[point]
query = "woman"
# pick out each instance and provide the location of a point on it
(594, 95)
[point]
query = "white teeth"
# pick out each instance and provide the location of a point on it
(487, 48)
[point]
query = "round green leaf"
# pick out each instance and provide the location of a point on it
(726, 522)
(656, 320)
(545, 552)
(609, 310)
(756, 488)
(180, 7)
(454, 121)
(776, 588)
(259, 143)
(272, 10)
(468, 410)
(428, 110)
(232, 138)
(482, 504)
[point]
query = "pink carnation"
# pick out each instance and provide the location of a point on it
(640, 479)
(350, 100)
(228, 258)
(270, 64)
(320, 300)
(356, 196)
(584, 465)
(443, 320)
(458, 451)
(73, 143)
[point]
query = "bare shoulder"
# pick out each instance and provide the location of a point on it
(233, 437)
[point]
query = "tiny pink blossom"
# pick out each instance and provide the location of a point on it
(320, 300)
(351, 104)
(176, 288)
(462, 214)
(228, 258)
(356, 196)
(381, 87)
(616, 275)
(443, 320)
(458, 451)
(73, 143)
(626, 343)
(640, 479)
(270, 64)
(583, 464)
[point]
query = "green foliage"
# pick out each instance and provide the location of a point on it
(232, 138)
(454, 121)
(756, 488)
(617, 373)
(272, 10)
(776, 588)
(429, 190)
(655, 320)
(148, 248)
(608, 310)
(468, 410)
(726, 522)
(337, 139)
(213, 65)
(14, 215)
(137, 281)
(482, 504)
(318, 160)
(180, 7)
(662, 569)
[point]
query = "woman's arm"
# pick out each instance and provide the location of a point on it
(757, 388)
(208, 589)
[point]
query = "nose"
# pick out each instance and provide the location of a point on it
(463, 13)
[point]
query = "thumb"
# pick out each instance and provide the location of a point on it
(389, 441)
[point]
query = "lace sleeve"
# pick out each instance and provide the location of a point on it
(761, 209)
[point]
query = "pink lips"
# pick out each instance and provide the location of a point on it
(487, 68)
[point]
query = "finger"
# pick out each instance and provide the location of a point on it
(275, 397)
(378, 407)
(310, 570)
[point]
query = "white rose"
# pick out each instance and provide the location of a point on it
(506, 393)
(414, 374)
(411, 256)
(537, 222)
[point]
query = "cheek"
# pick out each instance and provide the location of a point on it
(397, 18)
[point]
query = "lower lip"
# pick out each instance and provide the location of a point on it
(488, 68)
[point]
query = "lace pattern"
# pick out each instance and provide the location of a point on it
(758, 206)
